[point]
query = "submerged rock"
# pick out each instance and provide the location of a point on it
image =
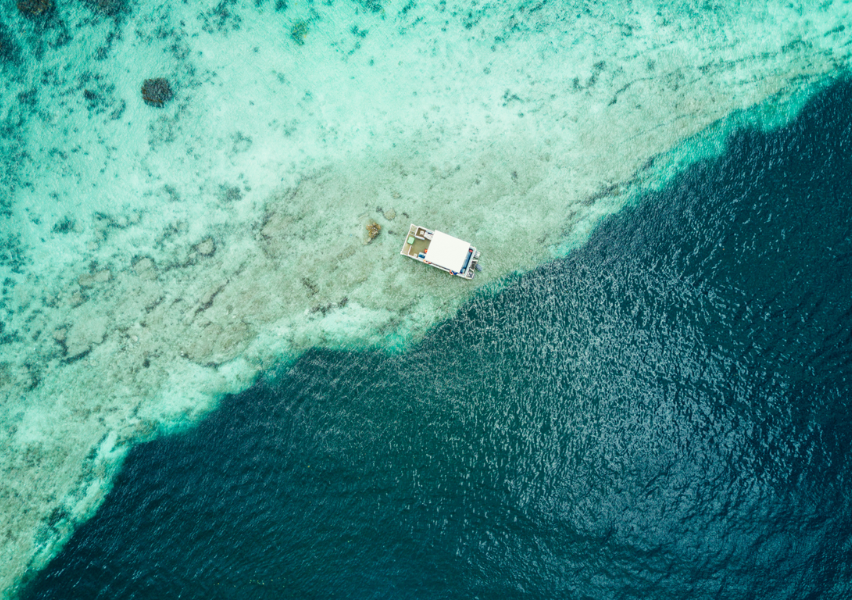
(373, 230)
(85, 334)
(8, 49)
(90, 279)
(77, 299)
(299, 31)
(156, 92)
(145, 268)
(34, 8)
(108, 7)
(207, 247)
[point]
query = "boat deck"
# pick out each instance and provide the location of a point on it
(417, 247)
(450, 254)
(421, 243)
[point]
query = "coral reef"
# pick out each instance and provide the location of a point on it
(156, 92)
(206, 247)
(299, 31)
(8, 49)
(34, 8)
(373, 230)
(107, 7)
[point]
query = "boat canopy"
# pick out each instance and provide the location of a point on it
(447, 251)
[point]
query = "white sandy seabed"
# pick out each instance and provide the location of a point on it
(154, 259)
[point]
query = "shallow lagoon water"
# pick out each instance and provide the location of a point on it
(155, 260)
(664, 413)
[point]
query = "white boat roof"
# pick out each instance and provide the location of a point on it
(447, 251)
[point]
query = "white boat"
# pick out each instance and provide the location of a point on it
(442, 251)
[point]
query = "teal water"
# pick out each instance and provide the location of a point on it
(665, 413)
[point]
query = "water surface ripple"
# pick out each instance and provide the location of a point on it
(663, 414)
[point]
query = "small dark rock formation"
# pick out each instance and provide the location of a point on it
(107, 7)
(8, 50)
(156, 92)
(64, 226)
(230, 194)
(373, 229)
(34, 8)
(299, 31)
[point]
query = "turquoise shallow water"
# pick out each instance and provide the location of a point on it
(156, 259)
(664, 413)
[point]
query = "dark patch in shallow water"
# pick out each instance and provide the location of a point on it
(222, 18)
(109, 8)
(9, 53)
(665, 414)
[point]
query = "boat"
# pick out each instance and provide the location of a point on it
(442, 251)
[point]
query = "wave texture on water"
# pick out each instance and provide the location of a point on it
(155, 258)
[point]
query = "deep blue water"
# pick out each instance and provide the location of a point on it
(663, 414)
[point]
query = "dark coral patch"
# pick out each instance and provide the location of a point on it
(156, 92)
(34, 8)
(107, 7)
(298, 32)
(8, 49)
